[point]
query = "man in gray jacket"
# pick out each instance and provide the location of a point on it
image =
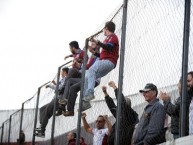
(150, 129)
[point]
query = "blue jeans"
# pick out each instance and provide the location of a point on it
(98, 70)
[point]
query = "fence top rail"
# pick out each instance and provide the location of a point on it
(15, 112)
(64, 64)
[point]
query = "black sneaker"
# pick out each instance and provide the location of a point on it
(40, 134)
(38, 129)
(58, 112)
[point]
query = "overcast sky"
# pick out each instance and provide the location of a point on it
(34, 38)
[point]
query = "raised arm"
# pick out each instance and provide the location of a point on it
(109, 125)
(109, 101)
(171, 109)
(85, 123)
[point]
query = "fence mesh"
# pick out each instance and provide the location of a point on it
(153, 54)
(15, 125)
(6, 131)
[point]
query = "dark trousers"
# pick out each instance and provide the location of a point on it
(46, 113)
(73, 86)
(73, 73)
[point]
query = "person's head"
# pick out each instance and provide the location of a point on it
(100, 122)
(81, 139)
(71, 135)
(109, 28)
(64, 72)
(74, 46)
(94, 48)
(190, 81)
(149, 92)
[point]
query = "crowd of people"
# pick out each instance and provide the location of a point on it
(150, 129)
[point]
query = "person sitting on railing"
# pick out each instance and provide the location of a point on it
(173, 110)
(129, 118)
(74, 72)
(100, 131)
(46, 111)
(73, 85)
(108, 60)
(71, 138)
(150, 129)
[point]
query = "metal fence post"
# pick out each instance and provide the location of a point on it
(55, 102)
(183, 104)
(9, 129)
(2, 131)
(121, 71)
(36, 112)
(81, 93)
(21, 121)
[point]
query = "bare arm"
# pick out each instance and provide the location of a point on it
(85, 123)
(109, 125)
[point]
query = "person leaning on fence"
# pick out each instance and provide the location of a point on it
(71, 138)
(174, 109)
(108, 60)
(46, 111)
(73, 85)
(150, 129)
(100, 132)
(129, 118)
(74, 72)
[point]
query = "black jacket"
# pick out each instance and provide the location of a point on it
(173, 110)
(129, 118)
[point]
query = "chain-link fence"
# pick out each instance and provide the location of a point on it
(153, 54)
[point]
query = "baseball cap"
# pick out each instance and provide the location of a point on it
(149, 87)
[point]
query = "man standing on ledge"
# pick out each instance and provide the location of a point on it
(108, 60)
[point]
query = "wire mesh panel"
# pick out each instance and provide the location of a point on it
(6, 131)
(15, 124)
(28, 118)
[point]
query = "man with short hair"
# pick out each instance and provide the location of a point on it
(108, 60)
(100, 131)
(74, 72)
(74, 84)
(46, 111)
(129, 118)
(150, 129)
(71, 138)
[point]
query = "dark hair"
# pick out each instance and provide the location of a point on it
(110, 26)
(66, 69)
(74, 134)
(74, 44)
(101, 116)
(190, 73)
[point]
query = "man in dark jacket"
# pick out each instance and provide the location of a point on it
(128, 116)
(173, 110)
(150, 129)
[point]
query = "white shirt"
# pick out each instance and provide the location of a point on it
(61, 82)
(191, 118)
(99, 135)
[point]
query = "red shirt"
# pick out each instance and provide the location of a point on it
(114, 54)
